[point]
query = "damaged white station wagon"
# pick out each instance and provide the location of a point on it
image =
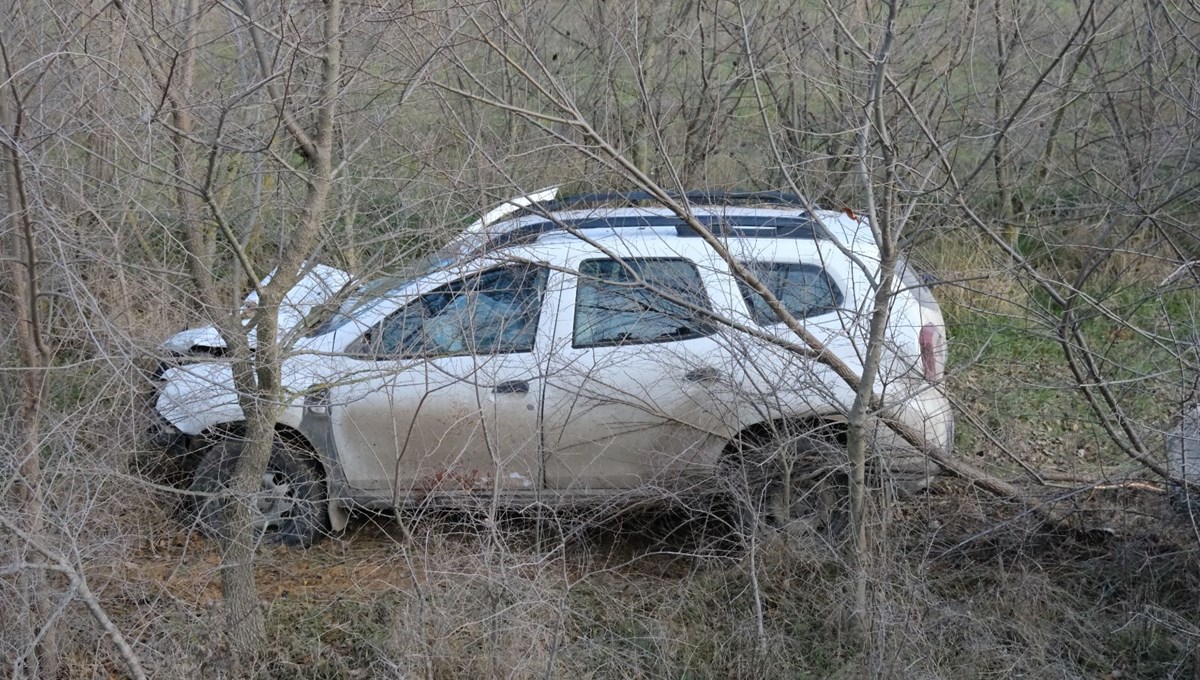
(577, 350)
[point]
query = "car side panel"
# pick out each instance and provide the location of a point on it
(439, 425)
(443, 424)
(625, 416)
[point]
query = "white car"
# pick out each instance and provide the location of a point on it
(586, 349)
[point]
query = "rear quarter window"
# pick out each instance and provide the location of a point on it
(805, 290)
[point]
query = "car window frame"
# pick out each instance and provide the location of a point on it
(368, 350)
(705, 311)
(747, 292)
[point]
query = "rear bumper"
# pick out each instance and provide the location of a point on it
(928, 412)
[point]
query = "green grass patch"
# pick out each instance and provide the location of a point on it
(1011, 371)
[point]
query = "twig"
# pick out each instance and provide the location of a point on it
(79, 583)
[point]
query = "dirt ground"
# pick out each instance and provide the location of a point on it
(970, 585)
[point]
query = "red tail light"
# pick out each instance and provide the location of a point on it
(929, 341)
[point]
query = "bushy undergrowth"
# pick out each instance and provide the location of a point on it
(962, 587)
(1017, 397)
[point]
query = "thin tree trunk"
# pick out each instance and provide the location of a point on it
(199, 249)
(882, 218)
(1000, 151)
(257, 377)
(27, 493)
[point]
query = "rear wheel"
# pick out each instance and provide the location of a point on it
(793, 484)
(289, 506)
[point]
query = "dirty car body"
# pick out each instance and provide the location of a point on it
(581, 351)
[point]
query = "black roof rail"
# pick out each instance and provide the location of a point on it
(755, 226)
(763, 226)
(633, 199)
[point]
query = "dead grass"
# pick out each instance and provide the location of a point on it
(963, 587)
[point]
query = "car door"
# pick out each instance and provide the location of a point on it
(629, 385)
(445, 391)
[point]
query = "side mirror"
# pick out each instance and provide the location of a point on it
(363, 347)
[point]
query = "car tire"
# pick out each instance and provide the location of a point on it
(290, 506)
(794, 484)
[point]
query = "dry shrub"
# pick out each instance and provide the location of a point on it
(975, 275)
(962, 587)
(469, 620)
(93, 511)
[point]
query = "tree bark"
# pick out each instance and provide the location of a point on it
(883, 218)
(257, 377)
(22, 268)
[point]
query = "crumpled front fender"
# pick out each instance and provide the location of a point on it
(198, 397)
(319, 284)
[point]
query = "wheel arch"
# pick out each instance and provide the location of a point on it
(828, 427)
(338, 516)
(754, 473)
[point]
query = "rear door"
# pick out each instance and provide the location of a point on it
(630, 382)
(445, 392)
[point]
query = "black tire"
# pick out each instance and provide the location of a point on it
(291, 504)
(792, 483)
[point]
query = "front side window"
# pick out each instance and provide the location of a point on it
(488, 313)
(803, 289)
(638, 301)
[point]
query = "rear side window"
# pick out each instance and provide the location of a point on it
(622, 303)
(803, 289)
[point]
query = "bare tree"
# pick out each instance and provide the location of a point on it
(207, 229)
(23, 294)
(161, 160)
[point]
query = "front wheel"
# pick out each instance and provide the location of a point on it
(289, 506)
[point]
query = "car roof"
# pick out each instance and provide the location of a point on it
(725, 221)
(566, 249)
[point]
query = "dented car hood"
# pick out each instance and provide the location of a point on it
(318, 285)
(198, 395)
